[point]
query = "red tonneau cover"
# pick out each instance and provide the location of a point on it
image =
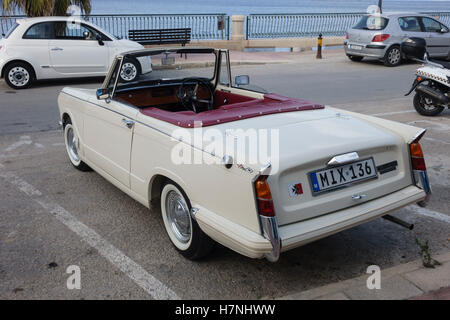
(271, 104)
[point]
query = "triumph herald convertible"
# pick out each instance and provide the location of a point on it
(258, 172)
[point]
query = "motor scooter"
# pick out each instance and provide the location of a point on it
(432, 82)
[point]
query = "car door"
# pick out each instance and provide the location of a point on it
(437, 37)
(108, 131)
(410, 27)
(75, 51)
(34, 47)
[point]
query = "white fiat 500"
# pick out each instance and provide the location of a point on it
(194, 142)
(61, 47)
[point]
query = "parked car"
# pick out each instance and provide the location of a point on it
(380, 36)
(60, 47)
(334, 169)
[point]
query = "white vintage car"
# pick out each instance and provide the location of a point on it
(164, 139)
(61, 47)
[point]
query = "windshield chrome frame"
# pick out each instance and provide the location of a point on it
(120, 58)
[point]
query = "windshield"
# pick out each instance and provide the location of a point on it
(156, 67)
(371, 23)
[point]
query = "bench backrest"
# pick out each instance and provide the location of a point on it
(161, 36)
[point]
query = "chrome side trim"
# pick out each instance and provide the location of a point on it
(419, 134)
(268, 225)
(425, 182)
(265, 171)
(421, 181)
(270, 232)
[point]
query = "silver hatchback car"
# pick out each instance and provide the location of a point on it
(380, 36)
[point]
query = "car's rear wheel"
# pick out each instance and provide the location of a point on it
(183, 231)
(355, 58)
(19, 75)
(393, 57)
(71, 141)
(425, 106)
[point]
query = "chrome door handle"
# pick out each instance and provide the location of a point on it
(57, 49)
(128, 123)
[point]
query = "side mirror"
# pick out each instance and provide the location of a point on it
(99, 39)
(103, 94)
(242, 80)
(443, 30)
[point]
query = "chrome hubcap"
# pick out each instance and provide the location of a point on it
(394, 56)
(178, 216)
(129, 71)
(72, 145)
(19, 76)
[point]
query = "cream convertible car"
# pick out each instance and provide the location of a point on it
(331, 169)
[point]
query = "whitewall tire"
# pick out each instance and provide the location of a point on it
(183, 231)
(72, 142)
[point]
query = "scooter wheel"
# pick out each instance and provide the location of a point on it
(425, 106)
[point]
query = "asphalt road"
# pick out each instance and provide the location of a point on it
(53, 216)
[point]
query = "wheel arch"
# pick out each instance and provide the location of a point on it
(157, 182)
(396, 44)
(64, 118)
(2, 73)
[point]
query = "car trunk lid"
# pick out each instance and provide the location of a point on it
(307, 142)
(309, 146)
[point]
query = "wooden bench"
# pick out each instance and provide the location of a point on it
(161, 36)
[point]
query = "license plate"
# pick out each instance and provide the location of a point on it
(354, 47)
(337, 177)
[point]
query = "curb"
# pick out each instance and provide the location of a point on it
(397, 283)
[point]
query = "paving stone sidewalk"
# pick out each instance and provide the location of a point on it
(406, 281)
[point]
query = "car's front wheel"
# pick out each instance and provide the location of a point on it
(19, 75)
(393, 57)
(71, 141)
(355, 58)
(183, 231)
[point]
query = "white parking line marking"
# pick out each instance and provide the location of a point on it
(23, 140)
(435, 125)
(429, 213)
(436, 140)
(134, 271)
(391, 113)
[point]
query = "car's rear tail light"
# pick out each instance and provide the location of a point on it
(419, 169)
(264, 197)
(417, 159)
(346, 37)
(380, 37)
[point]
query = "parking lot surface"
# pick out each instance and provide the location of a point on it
(53, 216)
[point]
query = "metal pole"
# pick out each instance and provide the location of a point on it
(380, 5)
(319, 47)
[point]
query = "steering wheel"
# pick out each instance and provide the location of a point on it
(188, 96)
